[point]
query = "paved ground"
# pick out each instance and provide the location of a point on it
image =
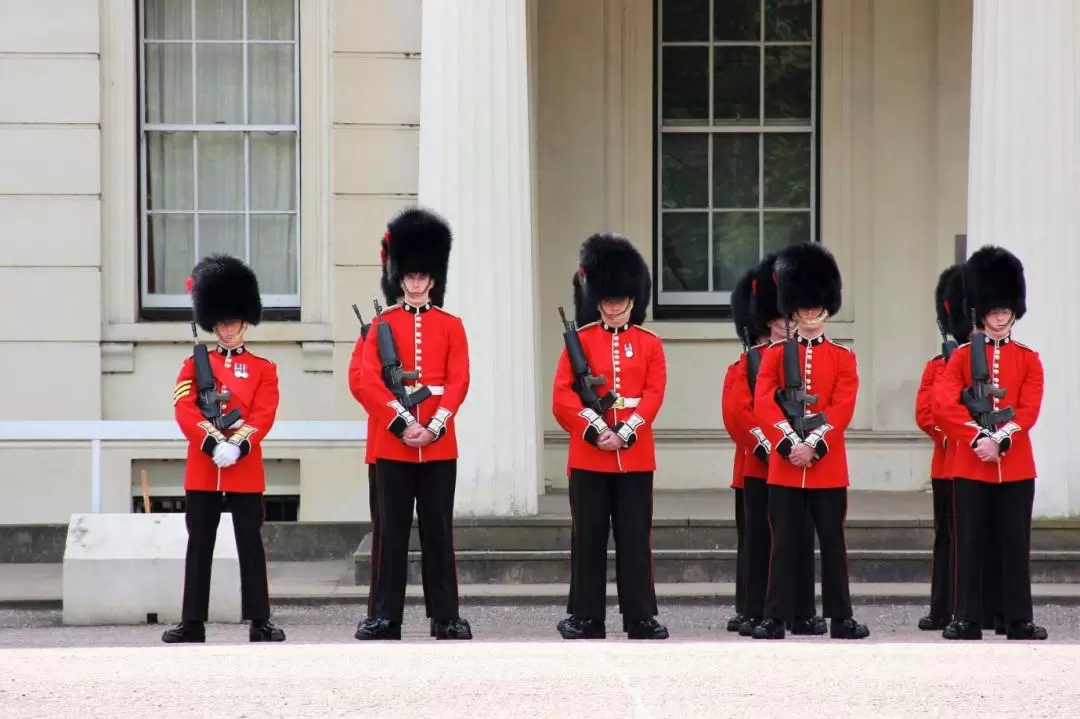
(520, 668)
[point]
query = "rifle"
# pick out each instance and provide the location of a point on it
(393, 376)
(364, 327)
(584, 379)
(979, 397)
(792, 398)
(753, 361)
(207, 397)
(947, 345)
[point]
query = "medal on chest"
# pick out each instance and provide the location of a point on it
(628, 349)
(240, 370)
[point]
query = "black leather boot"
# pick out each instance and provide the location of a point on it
(746, 629)
(735, 622)
(646, 629)
(373, 628)
(1026, 630)
(930, 623)
(185, 632)
(456, 628)
(769, 629)
(960, 629)
(848, 629)
(264, 630)
(808, 626)
(582, 628)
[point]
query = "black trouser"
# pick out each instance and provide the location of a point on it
(430, 485)
(741, 565)
(376, 543)
(202, 514)
(942, 579)
(599, 502)
(788, 507)
(759, 552)
(984, 509)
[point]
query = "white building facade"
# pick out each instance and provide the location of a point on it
(139, 135)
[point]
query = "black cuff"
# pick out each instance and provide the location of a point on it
(626, 433)
(763, 454)
(437, 425)
(213, 438)
(208, 446)
(784, 447)
(402, 418)
(592, 434)
(241, 438)
(595, 426)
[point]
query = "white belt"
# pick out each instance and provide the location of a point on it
(626, 402)
(436, 390)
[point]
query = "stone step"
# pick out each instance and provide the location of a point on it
(707, 566)
(554, 534)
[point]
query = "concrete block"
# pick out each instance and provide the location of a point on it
(120, 568)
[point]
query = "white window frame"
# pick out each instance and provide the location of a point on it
(720, 298)
(174, 301)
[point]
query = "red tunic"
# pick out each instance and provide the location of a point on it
(924, 415)
(727, 412)
(253, 382)
(432, 342)
(1018, 370)
(356, 363)
(830, 372)
(631, 359)
(741, 422)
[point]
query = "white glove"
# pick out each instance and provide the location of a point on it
(237, 424)
(226, 454)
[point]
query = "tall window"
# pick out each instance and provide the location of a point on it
(736, 151)
(219, 143)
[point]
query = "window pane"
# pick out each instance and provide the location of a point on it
(273, 171)
(218, 19)
(221, 171)
(685, 252)
(685, 20)
(222, 233)
(735, 171)
(784, 229)
(684, 176)
(737, 20)
(271, 83)
(788, 84)
(171, 163)
(273, 253)
(787, 20)
(220, 84)
(686, 85)
(787, 170)
(168, 84)
(737, 85)
(171, 246)
(271, 19)
(735, 247)
(166, 20)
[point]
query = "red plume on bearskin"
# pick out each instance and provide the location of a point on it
(807, 276)
(224, 289)
(610, 267)
(416, 240)
(763, 298)
(741, 314)
(941, 303)
(994, 279)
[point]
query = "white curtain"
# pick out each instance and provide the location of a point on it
(232, 190)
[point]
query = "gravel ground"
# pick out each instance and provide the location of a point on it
(336, 624)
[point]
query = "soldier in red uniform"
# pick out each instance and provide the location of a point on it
(224, 465)
(810, 472)
(392, 295)
(612, 454)
(994, 467)
(759, 323)
(941, 583)
(415, 445)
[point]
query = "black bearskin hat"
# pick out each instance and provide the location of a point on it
(941, 304)
(416, 240)
(745, 326)
(610, 267)
(224, 289)
(994, 279)
(807, 276)
(763, 294)
(958, 322)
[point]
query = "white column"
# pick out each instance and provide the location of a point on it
(476, 170)
(1024, 194)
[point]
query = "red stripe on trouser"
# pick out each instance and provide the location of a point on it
(955, 551)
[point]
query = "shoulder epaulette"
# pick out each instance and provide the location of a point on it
(1023, 346)
(843, 347)
(643, 329)
(440, 309)
(585, 327)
